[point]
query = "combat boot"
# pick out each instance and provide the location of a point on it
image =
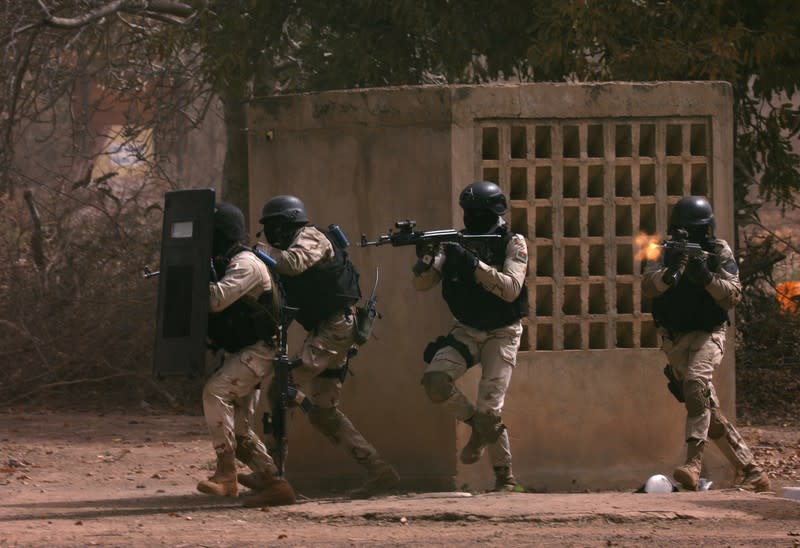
(275, 491)
(504, 480)
(755, 478)
(263, 469)
(382, 479)
(688, 475)
(223, 482)
(472, 451)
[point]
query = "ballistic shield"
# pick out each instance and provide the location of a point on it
(182, 314)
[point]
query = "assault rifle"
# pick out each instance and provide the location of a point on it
(406, 235)
(680, 244)
(275, 423)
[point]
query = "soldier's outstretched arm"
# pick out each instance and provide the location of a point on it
(725, 286)
(507, 283)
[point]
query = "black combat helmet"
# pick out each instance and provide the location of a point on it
(692, 211)
(229, 222)
(485, 196)
(285, 208)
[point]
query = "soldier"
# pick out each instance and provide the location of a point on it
(322, 283)
(243, 313)
(484, 287)
(691, 299)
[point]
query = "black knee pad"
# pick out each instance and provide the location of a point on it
(438, 386)
(697, 397)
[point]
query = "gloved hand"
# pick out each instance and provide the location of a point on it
(425, 255)
(459, 260)
(697, 271)
(674, 260)
(425, 249)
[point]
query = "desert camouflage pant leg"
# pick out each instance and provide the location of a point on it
(496, 353)
(229, 398)
(325, 349)
(694, 356)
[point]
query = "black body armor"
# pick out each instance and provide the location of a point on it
(327, 288)
(471, 304)
(246, 321)
(689, 307)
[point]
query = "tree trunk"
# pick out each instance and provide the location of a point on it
(235, 181)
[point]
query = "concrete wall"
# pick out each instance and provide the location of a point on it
(585, 418)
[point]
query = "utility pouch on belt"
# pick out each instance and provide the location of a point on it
(440, 342)
(365, 321)
(673, 384)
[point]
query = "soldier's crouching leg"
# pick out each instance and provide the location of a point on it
(731, 444)
(331, 422)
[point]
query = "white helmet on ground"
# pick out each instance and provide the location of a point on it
(658, 484)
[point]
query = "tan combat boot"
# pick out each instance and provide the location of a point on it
(263, 469)
(274, 491)
(472, 451)
(688, 475)
(755, 478)
(504, 480)
(382, 479)
(223, 482)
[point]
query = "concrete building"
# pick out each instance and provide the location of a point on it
(588, 168)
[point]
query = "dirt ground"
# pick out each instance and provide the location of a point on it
(122, 480)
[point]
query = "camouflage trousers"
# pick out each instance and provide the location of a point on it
(693, 357)
(496, 353)
(323, 355)
(229, 398)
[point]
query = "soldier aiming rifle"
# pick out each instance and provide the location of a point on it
(482, 271)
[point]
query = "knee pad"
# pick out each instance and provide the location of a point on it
(719, 425)
(438, 386)
(697, 398)
(326, 419)
(489, 427)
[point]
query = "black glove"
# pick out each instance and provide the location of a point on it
(459, 260)
(697, 271)
(674, 260)
(425, 255)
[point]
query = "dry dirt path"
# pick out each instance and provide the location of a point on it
(86, 480)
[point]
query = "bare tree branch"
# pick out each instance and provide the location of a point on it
(157, 9)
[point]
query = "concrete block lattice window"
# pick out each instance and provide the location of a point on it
(587, 193)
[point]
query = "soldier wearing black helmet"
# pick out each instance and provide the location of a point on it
(322, 283)
(241, 290)
(484, 287)
(691, 298)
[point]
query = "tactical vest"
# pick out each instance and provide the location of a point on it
(688, 307)
(246, 321)
(471, 304)
(327, 288)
